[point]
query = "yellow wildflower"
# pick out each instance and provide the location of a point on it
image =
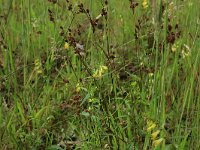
(145, 4)
(155, 134)
(66, 45)
(174, 48)
(98, 73)
(39, 71)
(91, 100)
(38, 66)
(95, 75)
(78, 87)
(104, 68)
(150, 126)
(150, 74)
(157, 142)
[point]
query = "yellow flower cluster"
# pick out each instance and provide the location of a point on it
(145, 4)
(99, 72)
(66, 45)
(38, 66)
(78, 87)
(150, 127)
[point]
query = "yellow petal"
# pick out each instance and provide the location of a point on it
(66, 46)
(95, 75)
(157, 142)
(155, 134)
(104, 67)
(151, 127)
(144, 4)
(100, 74)
(78, 87)
(39, 71)
(173, 49)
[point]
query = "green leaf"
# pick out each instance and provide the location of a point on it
(86, 114)
(170, 147)
(85, 99)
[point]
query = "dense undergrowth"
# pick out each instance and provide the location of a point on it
(97, 74)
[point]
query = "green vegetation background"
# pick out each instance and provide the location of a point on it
(97, 74)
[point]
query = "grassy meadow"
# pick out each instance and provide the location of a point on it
(99, 74)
